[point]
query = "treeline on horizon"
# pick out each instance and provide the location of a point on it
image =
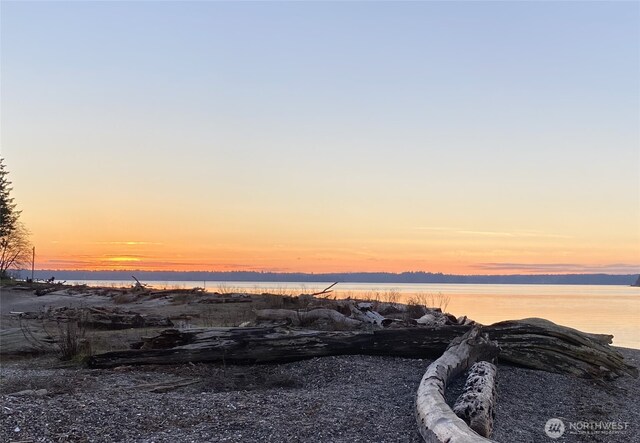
(351, 277)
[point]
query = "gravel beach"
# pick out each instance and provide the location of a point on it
(333, 399)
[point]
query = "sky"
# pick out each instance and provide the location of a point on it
(456, 137)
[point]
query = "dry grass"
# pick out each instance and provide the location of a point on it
(71, 341)
(375, 295)
(430, 301)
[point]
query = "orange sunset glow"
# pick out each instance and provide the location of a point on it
(266, 147)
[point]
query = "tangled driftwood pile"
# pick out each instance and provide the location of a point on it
(457, 343)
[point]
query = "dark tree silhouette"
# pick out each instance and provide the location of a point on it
(14, 237)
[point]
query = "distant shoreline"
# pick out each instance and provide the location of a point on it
(352, 277)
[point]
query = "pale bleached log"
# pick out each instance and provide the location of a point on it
(476, 404)
(298, 318)
(432, 319)
(364, 312)
(437, 423)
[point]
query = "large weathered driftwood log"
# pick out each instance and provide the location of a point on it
(541, 344)
(437, 423)
(476, 404)
(273, 345)
(532, 343)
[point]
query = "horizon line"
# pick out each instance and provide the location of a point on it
(333, 273)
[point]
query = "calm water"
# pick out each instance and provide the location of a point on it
(600, 309)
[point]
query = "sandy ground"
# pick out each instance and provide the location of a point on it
(23, 301)
(333, 399)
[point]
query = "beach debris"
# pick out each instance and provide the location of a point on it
(235, 297)
(324, 293)
(463, 320)
(48, 288)
(437, 423)
(138, 287)
(358, 314)
(430, 319)
(364, 312)
(302, 318)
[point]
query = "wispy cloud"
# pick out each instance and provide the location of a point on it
(126, 243)
(68, 262)
(514, 234)
(487, 233)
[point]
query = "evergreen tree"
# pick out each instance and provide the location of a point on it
(14, 238)
(8, 213)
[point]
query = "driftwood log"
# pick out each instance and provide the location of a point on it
(541, 344)
(98, 317)
(532, 343)
(231, 298)
(476, 404)
(325, 292)
(301, 318)
(437, 423)
(106, 318)
(361, 314)
(48, 288)
(364, 312)
(277, 344)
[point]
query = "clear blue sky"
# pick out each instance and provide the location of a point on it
(390, 131)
